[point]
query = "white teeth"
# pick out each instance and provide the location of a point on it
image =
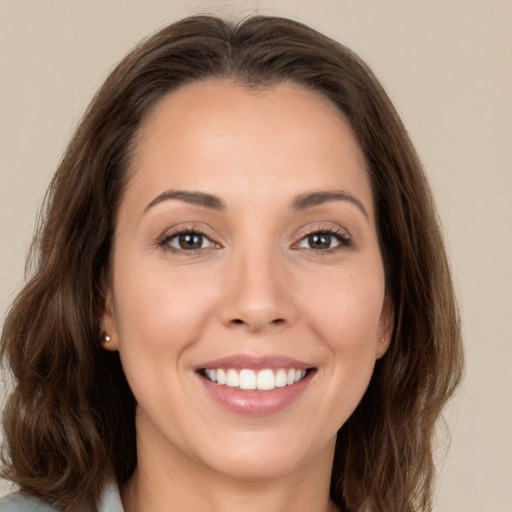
(221, 376)
(299, 374)
(266, 380)
(232, 379)
(280, 378)
(247, 379)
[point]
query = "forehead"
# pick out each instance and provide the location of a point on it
(220, 103)
(207, 135)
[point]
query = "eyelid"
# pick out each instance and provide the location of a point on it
(345, 240)
(184, 228)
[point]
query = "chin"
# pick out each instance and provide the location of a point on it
(265, 455)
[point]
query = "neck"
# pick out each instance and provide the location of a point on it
(277, 496)
(167, 477)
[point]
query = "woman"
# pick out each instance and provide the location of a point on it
(241, 299)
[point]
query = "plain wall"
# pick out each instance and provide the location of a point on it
(446, 65)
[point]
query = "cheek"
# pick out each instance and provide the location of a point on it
(346, 319)
(156, 300)
(160, 319)
(159, 315)
(346, 310)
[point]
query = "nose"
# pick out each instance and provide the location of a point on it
(257, 293)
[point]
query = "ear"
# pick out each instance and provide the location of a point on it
(386, 324)
(107, 317)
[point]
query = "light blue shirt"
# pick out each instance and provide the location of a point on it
(110, 502)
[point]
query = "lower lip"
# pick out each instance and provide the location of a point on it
(253, 402)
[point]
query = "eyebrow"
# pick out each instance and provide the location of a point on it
(309, 200)
(301, 202)
(197, 198)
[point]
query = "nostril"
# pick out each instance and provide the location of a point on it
(238, 321)
(278, 321)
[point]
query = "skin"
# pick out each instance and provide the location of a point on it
(256, 287)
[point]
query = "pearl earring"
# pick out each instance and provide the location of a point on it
(107, 339)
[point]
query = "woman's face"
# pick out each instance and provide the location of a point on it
(246, 256)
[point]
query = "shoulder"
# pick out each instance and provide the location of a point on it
(110, 502)
(23, 503)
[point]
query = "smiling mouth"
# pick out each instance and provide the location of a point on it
(265, 379)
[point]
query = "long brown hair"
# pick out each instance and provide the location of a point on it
(69, 422)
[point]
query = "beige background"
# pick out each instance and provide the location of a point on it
(447, 66)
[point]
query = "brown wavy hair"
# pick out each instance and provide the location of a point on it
(69, 421)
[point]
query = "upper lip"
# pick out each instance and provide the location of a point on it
(255, 362)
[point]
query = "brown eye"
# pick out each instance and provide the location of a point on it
(187, 241)
(190, 241)
(319, 240)
(326, 240)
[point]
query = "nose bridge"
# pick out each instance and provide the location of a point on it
(257, 288)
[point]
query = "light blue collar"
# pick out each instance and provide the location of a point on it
(110, 499)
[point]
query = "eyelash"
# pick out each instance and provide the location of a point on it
(344, 241)
(164, 241)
